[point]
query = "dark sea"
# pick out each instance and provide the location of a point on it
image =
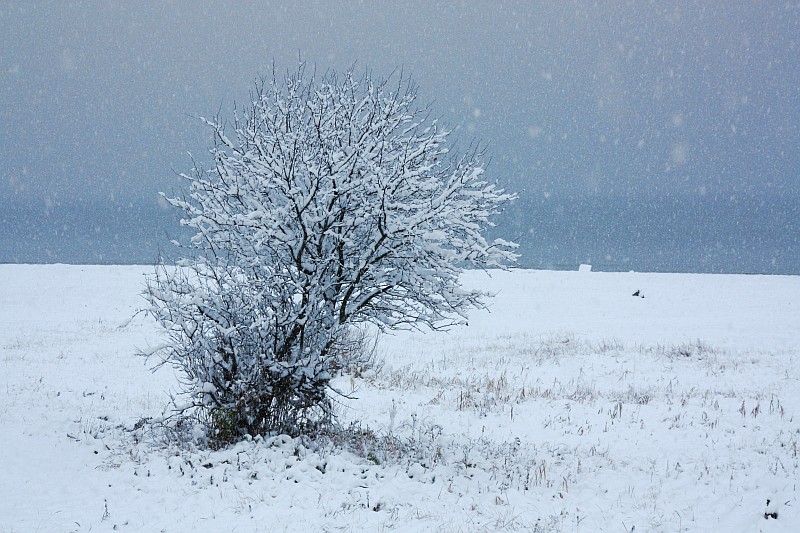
(691, 233)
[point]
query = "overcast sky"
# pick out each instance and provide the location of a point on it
(643, 135)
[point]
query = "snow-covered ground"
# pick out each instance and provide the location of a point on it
(571, 406)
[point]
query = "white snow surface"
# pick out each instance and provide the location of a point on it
(570, 406)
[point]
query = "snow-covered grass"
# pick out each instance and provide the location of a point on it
(571, 406)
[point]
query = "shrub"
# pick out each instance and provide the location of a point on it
(330, 204)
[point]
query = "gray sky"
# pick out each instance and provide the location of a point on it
(645, 135)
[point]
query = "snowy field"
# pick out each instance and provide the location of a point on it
(571, 406)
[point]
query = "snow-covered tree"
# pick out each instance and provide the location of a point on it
(330, 203)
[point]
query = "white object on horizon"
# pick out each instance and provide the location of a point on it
(584, 268)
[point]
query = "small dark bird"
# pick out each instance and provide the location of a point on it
(637, 293)
(771, 511)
